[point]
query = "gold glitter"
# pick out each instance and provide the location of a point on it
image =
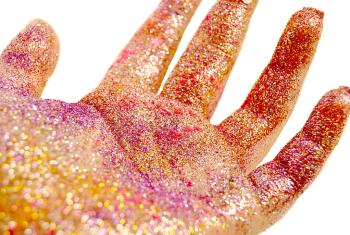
(30, 59)
(125, 160)
(144, 61)
(199, 77)
(253, 128)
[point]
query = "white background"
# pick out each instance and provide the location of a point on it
(92, 32)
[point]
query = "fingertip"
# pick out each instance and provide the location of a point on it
(31, 57)
(341, 97)
(310, 15)
(308, 20)
(299, 41)
(40, 22)
(346, 97)
(345, 89)
(35, 49)
(312, 12)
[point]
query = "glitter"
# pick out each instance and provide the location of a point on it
(253, 128)
(150, 51)
(215, 45)
(247, 1)
(28, 231)
(121, 206)
(84, 218)
(126, 160)
(282, 180)
(30, 58)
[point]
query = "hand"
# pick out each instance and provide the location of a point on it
(127, 160)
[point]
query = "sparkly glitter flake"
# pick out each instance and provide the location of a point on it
(127, 161)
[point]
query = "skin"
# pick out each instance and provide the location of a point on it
(126, 160)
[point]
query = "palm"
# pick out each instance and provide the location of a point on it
(127, 160)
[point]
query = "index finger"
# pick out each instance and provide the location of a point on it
(142, 64)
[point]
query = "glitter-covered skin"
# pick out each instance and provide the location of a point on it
(126, 160)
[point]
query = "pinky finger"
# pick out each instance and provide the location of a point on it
(280, 182)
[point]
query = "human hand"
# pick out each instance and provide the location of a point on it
(171, 169)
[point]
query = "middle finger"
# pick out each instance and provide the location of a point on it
(201, 74)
